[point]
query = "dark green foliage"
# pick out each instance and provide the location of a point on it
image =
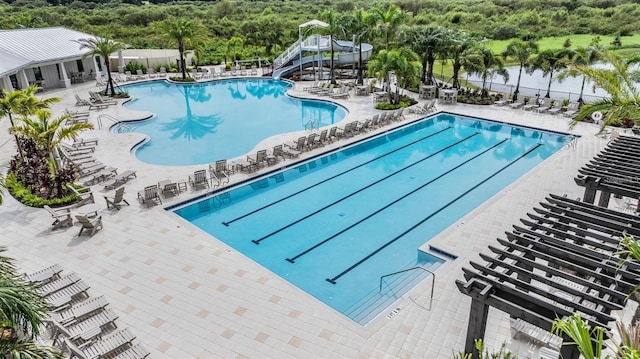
(134, 66)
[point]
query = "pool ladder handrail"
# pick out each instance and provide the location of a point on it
(433, 278)
(311, 124)
(115, 121)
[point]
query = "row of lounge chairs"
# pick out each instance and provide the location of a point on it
(95, 101)
(328, 89)
(80, 325)
(543, 106)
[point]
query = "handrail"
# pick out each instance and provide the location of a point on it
(112, 119)
(286, 55)
(433, 278)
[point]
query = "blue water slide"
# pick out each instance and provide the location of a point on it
(345, 53)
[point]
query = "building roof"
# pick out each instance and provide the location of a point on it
(23, 47)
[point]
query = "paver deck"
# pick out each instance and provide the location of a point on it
(187, 295)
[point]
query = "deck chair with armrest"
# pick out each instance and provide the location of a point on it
(556, 108)
(259, 159)
(137, 351)
(103, 347)
(63, 298)
(84, 195)
(58, 284)
(199, 179)
(89, 224)
(219, 172)
(81, 101)
(149, 195)
(296, 148)
(572, 109)
(77, 331)
(276, 153)
(117, 199)
(44, 275)
(78, 312)
(545, 105)
(61, 216)
(533, 103)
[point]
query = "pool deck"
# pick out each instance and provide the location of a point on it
(186, 295)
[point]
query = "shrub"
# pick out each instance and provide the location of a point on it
(134, 66)
(25, 196)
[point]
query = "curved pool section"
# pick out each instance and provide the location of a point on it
(204, 122)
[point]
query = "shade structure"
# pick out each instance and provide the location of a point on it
(314, 23)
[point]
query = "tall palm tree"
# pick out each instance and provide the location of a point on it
(486, 64)
(427, 42)
(188, 34)
(403, 62)
(359, 24)
(103, 47)
(22, 310)
(334, 26)
(233, 45)
(582, 56)
(2, 187)
(550, 61)
(520, 51)
(22, 103)
(617, 81)
(387, 23)
(458, 47)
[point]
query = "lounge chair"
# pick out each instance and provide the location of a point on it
(61, 216)
(85, 330)
(62, 298)
(316, 85)
(311, 140)
(58, 284)
(544, 105)
(137, 351)
(82, 102)
(322, 138)
(332, 135)
(219, 172)
(149, 194)
(557, 108)
(199, 179)
(99, 349)
(84, 194)
(89, 224)
(572, 109)
(295, 149)
(277, 152)
(427, 107)
(533, 103)
(163, 72)
(516, 105)
(97, 98)
(117, 200)
(151, 73)
(78, 312)
(119, 179)
(342, 93)
(260, 158)
(502, 102)
(254, 70)
(44, 275)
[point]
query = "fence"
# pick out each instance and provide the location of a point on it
(537, 92)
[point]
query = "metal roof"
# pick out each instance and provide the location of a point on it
(23, 47)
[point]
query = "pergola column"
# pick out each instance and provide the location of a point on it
(604, 199)
(478, 315)
(65, 81)
(590, 189)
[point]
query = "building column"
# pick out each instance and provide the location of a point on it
(96, 69)
(65, 81)
(23, 80)
(120, 62)
(6, 84)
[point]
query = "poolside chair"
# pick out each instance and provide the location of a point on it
(572, 109)
(199, 179)
(44, 275)
(316, 85)
(84, 194)
(137, 351)
(311, 140)
(544, 105)
(87, 329)
(58, 284)
(260, 158)
(533, 103)
(117, 200)
(220, 172)
(342, 93)
(78, 312)
(63, 297)
(322, 138)
(98, 99)
(516, 105)
(295, 149)
(114, 342)
(151, 73)
(149, 195)
(332, 135)
(89, 224)
(61, 216)
(81, 101)
(163, 72)
(276, 153)
(556, 108)
(501, 102)
(254, 70)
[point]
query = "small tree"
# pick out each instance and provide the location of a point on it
(103, 47)
(187, 34)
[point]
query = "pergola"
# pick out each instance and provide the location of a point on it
(556, 262)
(615, 170)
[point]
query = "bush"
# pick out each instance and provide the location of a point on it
(405, 101)
(25, 196)
(134, 66)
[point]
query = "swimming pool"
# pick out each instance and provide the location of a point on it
(333, 226)
(204, 122)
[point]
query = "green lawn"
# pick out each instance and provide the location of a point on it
(576, 41)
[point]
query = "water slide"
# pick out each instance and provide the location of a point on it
(346, 53)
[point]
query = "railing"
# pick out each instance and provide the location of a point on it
(312, 124)
(287, 55)
(123, 128)
(433, 279)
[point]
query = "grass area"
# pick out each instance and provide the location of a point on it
(576, 41)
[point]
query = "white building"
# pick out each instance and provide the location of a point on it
(47, 57)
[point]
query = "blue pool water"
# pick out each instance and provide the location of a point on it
(334, 225)
(205, 122)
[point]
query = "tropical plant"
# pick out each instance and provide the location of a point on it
(404, 63)
(521, 51)
(581, 333)
(486, 64)
(22, 310)
(22, 103)
(233, 45)
(458, 47)
(3, 186)
(550, 61)
(330, 16)
(582, 56)
(188, 34)
(359, 24)
(103, 47)
(427, 42)
(387, 22)
(483, 352)
(617, 81)
(628, 249)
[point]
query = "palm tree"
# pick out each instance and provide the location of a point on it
(521, 51)
(486, 64)
(334, 26)
(387, 23)
(103, 47)
(582, 56)
(233, 45)
(549, 61)
(404, 63)
(427, 41)
(359, 24)
(22, 103)
(22, 310)
(49, 133)
(2, 187)
(187, 34)
(458, 47)
(618, 81)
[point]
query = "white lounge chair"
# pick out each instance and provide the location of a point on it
(572, 109)
(101, 348)
(78, 312)
(58, 284)
(137, 351)
(61, 216)
(44, 275)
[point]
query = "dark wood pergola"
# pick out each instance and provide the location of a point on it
(556, 262)
(615, 170)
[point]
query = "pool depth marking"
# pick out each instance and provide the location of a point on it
(352, 267)
(257, 241)
(227, 223)
(292, 259)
